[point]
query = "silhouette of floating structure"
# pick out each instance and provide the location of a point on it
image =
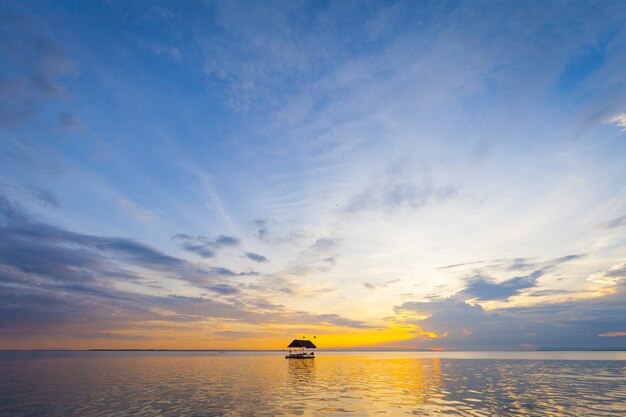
(304, 349)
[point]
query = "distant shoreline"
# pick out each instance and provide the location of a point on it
(323, 350)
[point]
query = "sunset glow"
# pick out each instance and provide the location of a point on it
(386, 175)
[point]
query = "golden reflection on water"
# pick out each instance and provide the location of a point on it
(362, 384)
(301, 372)
(182, 384)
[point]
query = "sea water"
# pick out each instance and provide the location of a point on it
(333, 384)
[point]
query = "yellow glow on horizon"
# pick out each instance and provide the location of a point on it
(239, 337)
(369, 338)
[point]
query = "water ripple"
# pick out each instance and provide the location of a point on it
(370, 384)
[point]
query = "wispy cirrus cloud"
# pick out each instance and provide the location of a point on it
(611, 224)
(459, 265)
(253, 49)
(44, 196)
(36, 64)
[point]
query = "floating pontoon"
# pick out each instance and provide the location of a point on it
(302, 351)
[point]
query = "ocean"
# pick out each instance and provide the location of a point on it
(333, 384)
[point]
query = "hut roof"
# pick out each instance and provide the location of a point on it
(302, 344)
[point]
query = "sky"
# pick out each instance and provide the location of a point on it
(379, 175)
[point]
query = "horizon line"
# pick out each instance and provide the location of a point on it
(326, 350)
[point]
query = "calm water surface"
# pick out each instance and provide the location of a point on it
(351, 384)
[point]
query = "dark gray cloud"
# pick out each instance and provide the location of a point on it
(51, 309)
(33, 65)
(262, 229)
(223, 271)
(203, 246)
(37, 248)
(57, 282)
(256, 257)
(520, 264)
(576, 324)
(567, 325)
(44, 196)
(620, 271)
(88, 310)
(463, 324)
(202, 249)
(563, 259)
(224, 289)
(222, 241)
(133, 251)
(483, 288)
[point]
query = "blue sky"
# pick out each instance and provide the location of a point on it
(393, 174)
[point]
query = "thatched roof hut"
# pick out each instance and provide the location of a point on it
(306, 344)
